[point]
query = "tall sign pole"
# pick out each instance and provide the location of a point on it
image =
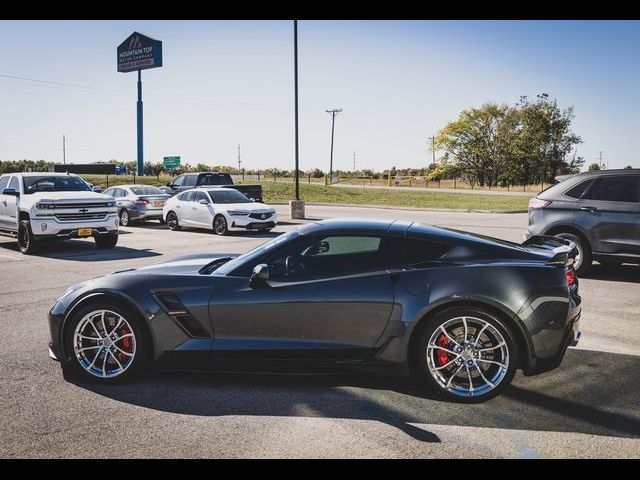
(295, 80)
(140, 143)
(139, 52)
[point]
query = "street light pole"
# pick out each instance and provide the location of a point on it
(296, 207)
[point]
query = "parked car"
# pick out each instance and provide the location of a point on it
(598, 211)
(461, 312)
(188, 181)
(55, 206)
(220, 209)
(138, 202)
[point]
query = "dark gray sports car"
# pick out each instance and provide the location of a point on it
(460, 311)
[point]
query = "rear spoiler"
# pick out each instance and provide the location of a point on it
(564, 251)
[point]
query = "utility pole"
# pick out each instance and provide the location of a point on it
(64, 150)
(354, 161)
(333, 114)
(600, 159)
(239, 161)
(296, 207)
(433, 147)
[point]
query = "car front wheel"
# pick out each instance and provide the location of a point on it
(466, 355)
(220, 225)
(106, 344)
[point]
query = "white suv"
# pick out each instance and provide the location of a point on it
(39, 206)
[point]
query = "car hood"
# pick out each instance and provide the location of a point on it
(67, 196)
(183, 265)
(249, 207)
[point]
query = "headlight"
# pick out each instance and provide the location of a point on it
(111, 204)
(44, 206)
(238, 212)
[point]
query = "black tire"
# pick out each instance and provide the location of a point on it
(172, 221)
(162, 221)
(125, 217)
(220, 226)
(584, 250)
(107, 240)
(27, 244)
(73, 370)
(425, 375)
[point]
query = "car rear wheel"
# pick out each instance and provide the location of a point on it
(26, 241)
(124, 217)
(220, 225)
(583, 259)
(172, 221)
(466, 355)
(106, 344)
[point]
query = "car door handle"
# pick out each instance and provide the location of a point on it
(588, 209)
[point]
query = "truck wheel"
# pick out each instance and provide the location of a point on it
(26, 239)
(107, 241)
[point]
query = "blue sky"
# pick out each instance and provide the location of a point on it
(226, 83)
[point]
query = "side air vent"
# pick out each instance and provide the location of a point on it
(179, 313)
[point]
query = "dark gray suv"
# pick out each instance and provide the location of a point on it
(599, 211)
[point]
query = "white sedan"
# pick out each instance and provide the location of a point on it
(220, 209)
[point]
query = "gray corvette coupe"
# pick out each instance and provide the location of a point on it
(461, 312)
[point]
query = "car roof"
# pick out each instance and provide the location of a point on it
(133, 186)
(616, 171)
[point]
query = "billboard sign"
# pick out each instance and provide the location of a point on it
(171, 163)
(139, 52)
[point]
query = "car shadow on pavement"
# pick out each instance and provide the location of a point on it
(592, 392)
(615, 273)
(83, 251)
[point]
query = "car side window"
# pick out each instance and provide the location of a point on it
(329, 255)
(179, 181)
(615, 189)
(186, 196)
(577, 191)
(13, 183)
(109, 191)
(404, 252)
(200, 196)
(190, 180)
(4, 181)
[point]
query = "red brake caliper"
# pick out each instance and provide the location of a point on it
(127, 344)
(441, 355)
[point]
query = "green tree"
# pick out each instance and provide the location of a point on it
(594, 167)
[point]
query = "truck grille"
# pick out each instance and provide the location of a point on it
(74, 216)
(83, 205)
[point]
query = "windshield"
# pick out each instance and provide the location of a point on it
(147, 191)
(256, 252)
(228, 196)
(55, 183)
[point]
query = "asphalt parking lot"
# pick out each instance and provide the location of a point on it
(589, 407)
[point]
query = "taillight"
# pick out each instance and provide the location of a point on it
(142, 202)
(536, 203)
(571, 276)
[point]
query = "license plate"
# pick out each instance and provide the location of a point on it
(84, 232)
(158, 203)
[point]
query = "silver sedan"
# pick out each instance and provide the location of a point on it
(138, 202)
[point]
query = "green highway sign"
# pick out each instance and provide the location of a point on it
(171, 163)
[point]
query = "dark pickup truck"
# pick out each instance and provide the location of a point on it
(205, 179)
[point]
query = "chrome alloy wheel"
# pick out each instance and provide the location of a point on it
(467, 356)
(104, 344)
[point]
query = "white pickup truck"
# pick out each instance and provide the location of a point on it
(46, 206)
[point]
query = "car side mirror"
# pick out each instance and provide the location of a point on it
(97, 189)
(260, 276)
(169, 184)
(11, 191)
(323, 247)
(203, 201)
